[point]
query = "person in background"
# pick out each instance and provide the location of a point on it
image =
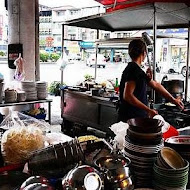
(133, 86)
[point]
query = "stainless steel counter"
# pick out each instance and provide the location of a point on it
(93, 111)
(4, 104)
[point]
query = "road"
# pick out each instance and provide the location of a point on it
(74, 73)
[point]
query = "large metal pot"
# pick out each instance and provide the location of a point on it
(174, 86)
(115, 167)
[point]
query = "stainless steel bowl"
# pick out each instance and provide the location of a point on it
(115, 167)
(83, 177)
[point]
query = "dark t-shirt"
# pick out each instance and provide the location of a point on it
(133, 73)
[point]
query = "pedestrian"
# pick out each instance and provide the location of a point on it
(133, 86)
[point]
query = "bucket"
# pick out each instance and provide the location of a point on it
(1, 91)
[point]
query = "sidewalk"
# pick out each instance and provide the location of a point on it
(56, 119)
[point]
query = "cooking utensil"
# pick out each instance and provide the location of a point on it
(151, 137)
(116, 167)
(174, 86)
(145, 125)
(84, 178)
(57, 156)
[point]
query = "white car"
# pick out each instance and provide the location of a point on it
(183, 69)
(101, 61)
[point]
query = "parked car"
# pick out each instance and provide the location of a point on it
(184, 68)
(76, 57)
(180, 68)
(101, 60)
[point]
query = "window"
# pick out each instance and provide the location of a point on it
(126, 35)
(72, 36)
(59, 39)
(119, 35)
(84, 36)
(106, 35)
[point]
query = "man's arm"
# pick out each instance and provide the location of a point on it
(128, 95)
(159, 88)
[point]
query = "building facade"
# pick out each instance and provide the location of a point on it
(51, 20)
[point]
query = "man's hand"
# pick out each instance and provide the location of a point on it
(152, 113)
(149, 73)
(179, 103)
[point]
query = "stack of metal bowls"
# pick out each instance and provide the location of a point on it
(143, 141)
(180, 144)
(170, 171)
(41, 89)
(116, 170)
(30, 89)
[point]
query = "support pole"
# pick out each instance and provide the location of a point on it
(37, 51)
(63, 37)
(188, 63)
(62, 46)
(154, 51)
(96, 59)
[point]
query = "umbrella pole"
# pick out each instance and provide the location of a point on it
(97, 37)
(63, 34)
(154, 51)
(187, 66)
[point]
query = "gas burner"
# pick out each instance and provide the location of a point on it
(174, 116)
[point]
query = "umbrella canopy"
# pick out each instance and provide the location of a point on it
(169, 15)
(120, 4)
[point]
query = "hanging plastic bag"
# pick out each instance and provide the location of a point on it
(19, 72)
(119, 130)
(167, 129)
(16, 118)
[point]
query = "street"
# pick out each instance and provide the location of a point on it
(74, 72)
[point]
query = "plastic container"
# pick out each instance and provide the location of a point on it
(172, 131)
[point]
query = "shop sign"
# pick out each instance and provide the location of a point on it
(86, 45)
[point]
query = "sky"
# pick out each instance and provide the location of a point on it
(75, 3)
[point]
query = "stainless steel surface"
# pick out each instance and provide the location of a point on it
(115, 167)
(83, 177)
(58, 156)
(31, 102)
(92, 111)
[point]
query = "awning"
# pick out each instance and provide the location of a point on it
(169, 15)
(112, 5)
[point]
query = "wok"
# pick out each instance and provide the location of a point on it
(174, 86)
(145, 125)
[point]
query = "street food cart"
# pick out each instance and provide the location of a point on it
(103, 166)
(139, 15)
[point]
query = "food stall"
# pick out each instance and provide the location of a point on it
(139, 15)
(91, 163)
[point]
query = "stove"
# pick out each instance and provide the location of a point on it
(174, 115)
